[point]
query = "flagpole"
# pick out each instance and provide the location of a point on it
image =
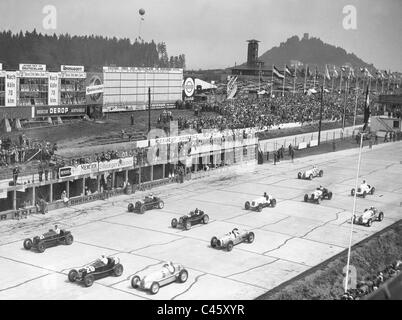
(332, 86)
(325, 75)
(294, 80)
(344, 108)
(283, 83)
(353, 213)
(305, 79)
(357, 96)
(340, 82)
(315, 76)
(272, 79)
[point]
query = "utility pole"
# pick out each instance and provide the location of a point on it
(149, 110)
(319, 124)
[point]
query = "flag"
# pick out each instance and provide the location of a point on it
(287, 70)
(335, 73)
(343, 68)
(327, 76)
(366, 109)
(231, 89)
(277, 74)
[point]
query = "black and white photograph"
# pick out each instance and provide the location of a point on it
(201, 150)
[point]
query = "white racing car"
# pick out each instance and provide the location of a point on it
(266, 200)
(363, 190)
(368, 216)
(169, 272)
(232, 238)
(310, 174)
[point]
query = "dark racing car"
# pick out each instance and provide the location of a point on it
(49, 239)
(318, 195)
(149, 202)
(194, 217)
(101, 268)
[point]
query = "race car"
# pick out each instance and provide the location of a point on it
(318, 195)
(310, 174)
(149, 202)
(363, 190)
(258, 204)
(49, 239)
(194, 217)
(232, 238)
(368, 216)
(96, 270)
(169, 272)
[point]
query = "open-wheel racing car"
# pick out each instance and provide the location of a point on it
(318, 195)
(310, 174)
(149, 202)
(194, 217)
(101, 268)
(49, 239)
(266, 200)
(363, 190)
(368, 216)
(169, 272)
(232, 238)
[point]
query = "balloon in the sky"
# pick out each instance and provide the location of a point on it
(141, 12)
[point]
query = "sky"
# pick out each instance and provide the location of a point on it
(213, 33)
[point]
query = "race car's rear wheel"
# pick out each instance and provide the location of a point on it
(372, 190)
(354, 220)
(369, 223)
(174, 223)
(135, 282)
(214, 242)
(27, 244)
(118, 270)
(183, 276)
(89, 280)
(251, 237)
(130, 207)
(273, 203)
(187, 225)
(305, 197)
(69, 239)
(205, 219)
(247, 205)
(41, 246)
(299, 175)
(329, 195)
(154, 287)
(142, 209)
(380, 216)
(161, 204)
(352, 192)
(229, 246)
(321, 173)
(73, 275)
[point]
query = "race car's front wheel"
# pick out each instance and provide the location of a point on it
(187, 225)
(214, 242)
(130, 207)
(354, 220)
(229, 246)
(69, 239)
(364, 194)
(161, 204)
(369, 222)
(183, 276)
(352, 192)
(41, 246)
(329, 195)
(205, 219)
(135, 282)
(142, 209)
(299, 175)
(155, 288)
(89, 280)
(259, 208)
(372, 190)
(321, 173)
(317, 200)
(380, 216)
(251, 237)
(273, 203)
(72, 275)
(310, 177)
(174, 223)
(118, 270)
(247, 205)
(28, 244)
(305, 197)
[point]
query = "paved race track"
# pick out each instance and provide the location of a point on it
(289, 239)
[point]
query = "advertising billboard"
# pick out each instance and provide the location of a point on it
(11, 89)
(32, 67)
(54, 90)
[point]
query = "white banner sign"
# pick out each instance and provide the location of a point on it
(73, 75)
(53, 89)
(1, 66)
(11, 89)
(72, 68)
(302, 145)
(313, 143)
(71, 171)
(94, 89)
(116, 164)
(34, 74)
(34, 67)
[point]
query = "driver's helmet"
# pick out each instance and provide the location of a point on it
(364, 181)
(372, 208)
